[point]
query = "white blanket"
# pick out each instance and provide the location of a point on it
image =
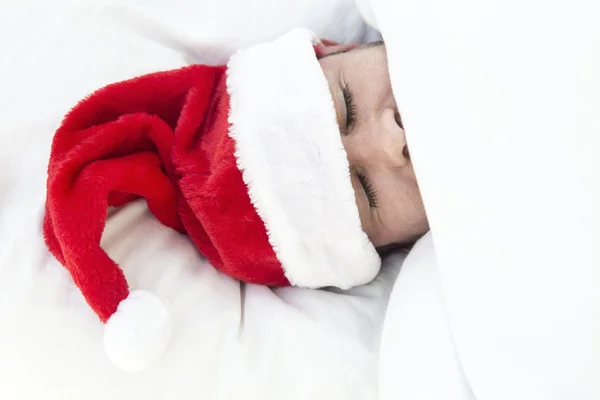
(501, 104)
(233, 340)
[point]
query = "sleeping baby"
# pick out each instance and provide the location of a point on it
(386, 191)
(287, 166)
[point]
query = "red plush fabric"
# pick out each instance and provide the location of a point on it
(163, 137)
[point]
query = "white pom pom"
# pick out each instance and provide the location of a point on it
(138, 333)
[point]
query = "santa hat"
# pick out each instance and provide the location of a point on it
(245, 158)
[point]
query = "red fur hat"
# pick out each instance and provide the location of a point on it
(245, 158)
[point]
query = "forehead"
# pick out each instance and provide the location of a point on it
(365, 70)
(356, 48)
(371, 55)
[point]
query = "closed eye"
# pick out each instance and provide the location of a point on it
(350, 106)
(368, 188)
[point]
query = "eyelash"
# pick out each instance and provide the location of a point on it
(350, 106)
(368, 188)
(350, 118)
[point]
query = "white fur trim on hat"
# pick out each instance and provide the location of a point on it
(289, 149)
(138, 333)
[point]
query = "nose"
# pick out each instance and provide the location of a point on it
(392, 140)
(378, 140)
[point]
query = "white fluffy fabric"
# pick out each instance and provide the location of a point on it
(364, 7)
(137, 334)
(500, 101)
(418, 360)
(289, 149)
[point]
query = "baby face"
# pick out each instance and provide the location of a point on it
(385, 187)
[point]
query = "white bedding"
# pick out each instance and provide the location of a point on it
(234, 340)
(501, 104)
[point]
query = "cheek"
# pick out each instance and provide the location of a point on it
(366, 219)
(412, 210)
(416, 201)
(404, 215)
(419, 219)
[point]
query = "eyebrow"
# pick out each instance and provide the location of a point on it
(359, 47)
